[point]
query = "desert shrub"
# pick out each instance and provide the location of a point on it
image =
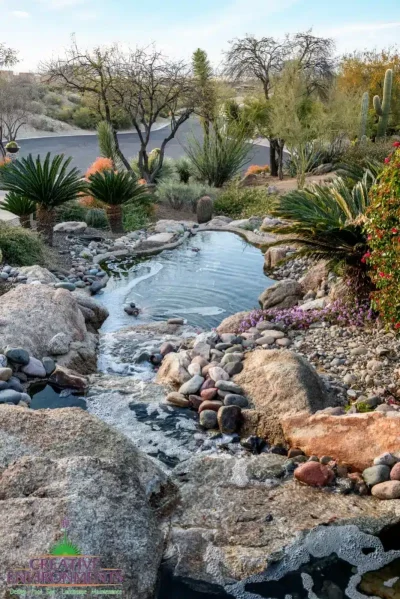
(238, 202)
(96, 218)
(182, 195)
(166, 172)
(21, 247)
(53, 99)
(36, 107)
(41, 123)
(121, 120)
(71, 211)
(136, 217)
(315, 154)
(84, 118)
(74, 98)
(254, 169)
(383, 230)
(362, 153)
(184, 169)
(65, 114)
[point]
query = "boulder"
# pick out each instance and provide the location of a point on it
(354, 439)
(313, 279)
(279, 383)
(317, 304)
(284, 294)
(72, 226)
(231, 324)
(33, 314)
(274, 255)
(157, 240)
(37, 273)
(171, 226)
(67, 464)
(235, 515)
(173, 370)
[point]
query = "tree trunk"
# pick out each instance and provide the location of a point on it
(114, 214)
(25, 221)
(46, 219)
(280, 158)
(273, 159)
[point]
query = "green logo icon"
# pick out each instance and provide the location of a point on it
(65, 546)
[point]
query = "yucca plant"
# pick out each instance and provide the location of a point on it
(326, 221)
(20, 206)
(184, 169)
(47, 184)
(116, 189)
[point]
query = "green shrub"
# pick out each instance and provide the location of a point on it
(96, 218)
(84, 118)
(21, 247)
(383, 230)
(181, 195)
(184, 169)
(74, 98)
(167, 170)
(41, 123)
(121, 120)
(53, 99)
(71, 211)
(66, 114)
(238, 202)
(36, 107)
(136, 217)
(362, 153)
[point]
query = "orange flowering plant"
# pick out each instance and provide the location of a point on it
(99, 165)
(383, 235)
(254, 169)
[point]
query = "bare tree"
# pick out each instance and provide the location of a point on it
(14, 111)
(149, 86)
(8, 56)
(265, 58)
(91, 73)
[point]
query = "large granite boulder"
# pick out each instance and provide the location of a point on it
(72, 226)
(274, 255)
(284, 294)
(236, 516)
(279, 383)
(317, 274)
(355, 439)
(67, 464)
(37, 273)
(32, 315)
(231, 324)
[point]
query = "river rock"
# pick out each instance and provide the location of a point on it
(176, 321)
(5, 374)
(66, 378)
(201, 349)
(192, 385)
(166, 348)
(362, 436)
(266, 339)
(386, 459)
(10, 396)
(210, 405)
(59, 344)
(375, 475)
(208, 394)
(284, 294)
(229, 419)
(195, 402)
(387, 490)
(234, 357)
(314, 474)
(34, 368)
(208, 419)
(177, 399)
(236, 400)
(49, 365)
(173, 370)
(65, 285)
(218, 374)
(91, 469)
(38, 273)
(229, 387)
(17, 355)
(233, 368)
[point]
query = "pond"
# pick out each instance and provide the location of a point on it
(211, 276)
(48, 395)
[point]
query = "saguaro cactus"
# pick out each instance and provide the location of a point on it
(364, 117)
(383, 109)
(204, 209)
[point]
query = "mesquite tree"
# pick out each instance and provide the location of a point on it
(263, 59)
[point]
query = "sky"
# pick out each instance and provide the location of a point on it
(41, 29)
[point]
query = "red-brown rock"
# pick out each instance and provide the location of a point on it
(395, 472)
(314, 474)
(210, 405)
(209, 394)
(354, 439)
(208, 384)
(195, 401)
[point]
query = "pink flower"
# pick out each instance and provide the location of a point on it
(387, 160)
(396, 144)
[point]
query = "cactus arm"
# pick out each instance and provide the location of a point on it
(378, 106)
(384, 112)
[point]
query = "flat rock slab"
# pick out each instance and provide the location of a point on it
(355, 439)
(157, 239)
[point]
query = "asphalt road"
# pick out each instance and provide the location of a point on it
(84, 149)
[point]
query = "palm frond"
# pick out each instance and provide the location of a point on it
(18, 205)
(117, 188)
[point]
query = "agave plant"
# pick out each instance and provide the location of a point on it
(20, 206)
(116, 189)
(326, 221)
(47, 184)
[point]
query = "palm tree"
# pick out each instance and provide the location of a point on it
(47, 184)
(116, 189)
(326, 221)
(20, 206)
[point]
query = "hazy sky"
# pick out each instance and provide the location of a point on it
(40, 29)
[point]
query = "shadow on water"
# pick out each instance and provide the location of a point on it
(47, 395)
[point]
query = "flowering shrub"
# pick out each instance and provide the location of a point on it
(4, 161)
(99, 165)
(254, 169)
(383, 231)
(357, 314)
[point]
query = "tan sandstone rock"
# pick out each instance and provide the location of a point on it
(284, 294)
(173, 370)
(232, 323)
(355, 439)
(279, 383)
(315, 276)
